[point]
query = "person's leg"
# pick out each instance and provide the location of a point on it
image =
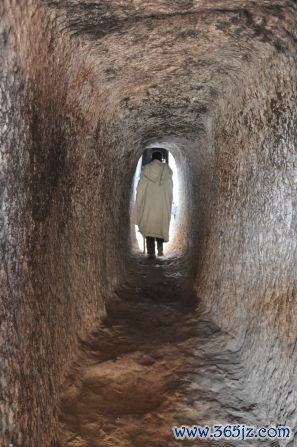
(150, 245)
(160, 246)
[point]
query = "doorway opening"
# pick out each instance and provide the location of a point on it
(145, 158)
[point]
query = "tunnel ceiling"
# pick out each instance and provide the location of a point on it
(96, 19)
(85, 86)
(169, 61)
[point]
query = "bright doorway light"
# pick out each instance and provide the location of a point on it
(175, 203)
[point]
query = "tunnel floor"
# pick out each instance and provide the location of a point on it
(157, 361)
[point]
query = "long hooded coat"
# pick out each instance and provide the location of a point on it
(152, 209)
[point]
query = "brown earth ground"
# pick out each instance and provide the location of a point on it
(156, 361)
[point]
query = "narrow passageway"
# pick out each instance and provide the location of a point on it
(157, 361)
(123, 348)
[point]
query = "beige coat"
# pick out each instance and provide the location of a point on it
(152, 209)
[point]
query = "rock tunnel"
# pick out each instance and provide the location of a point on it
(98, 347)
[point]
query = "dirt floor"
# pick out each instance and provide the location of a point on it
(156, 361)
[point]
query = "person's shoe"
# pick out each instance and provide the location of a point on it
(151, 256)
(160, 252)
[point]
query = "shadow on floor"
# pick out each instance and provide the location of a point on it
(156, 361)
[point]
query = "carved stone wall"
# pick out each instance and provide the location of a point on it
(84, 87)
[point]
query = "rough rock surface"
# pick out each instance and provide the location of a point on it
(157, 361)
(85, 86)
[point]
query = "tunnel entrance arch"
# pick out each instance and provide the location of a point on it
(175, 153)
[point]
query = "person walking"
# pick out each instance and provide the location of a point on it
(152, 208)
